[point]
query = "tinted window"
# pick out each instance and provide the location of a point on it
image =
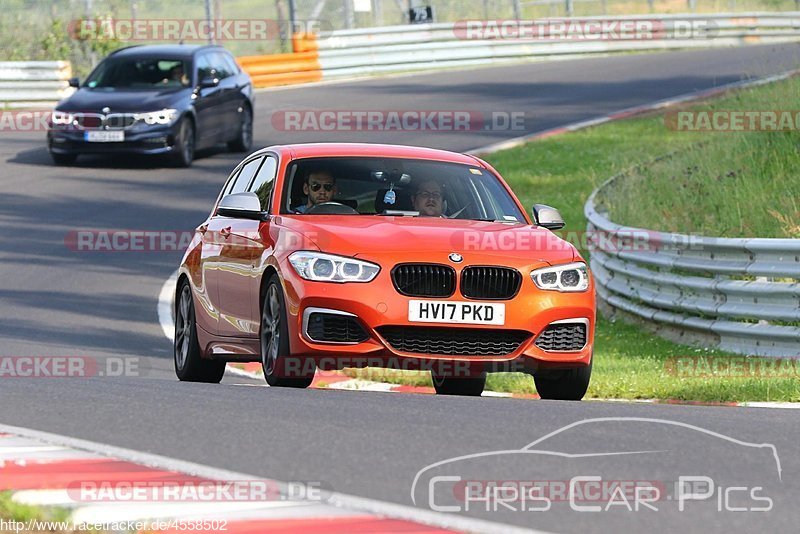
(413, 186)
(139, 73)
(204, 67)
(244, 178)
(223, 68)
(230, 182)
(230, 63)
(265, 180)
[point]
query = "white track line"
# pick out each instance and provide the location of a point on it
(340, 500)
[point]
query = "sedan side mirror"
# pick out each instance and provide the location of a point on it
(74, 82)
(547, 217)
(208, 81)
(242, 206)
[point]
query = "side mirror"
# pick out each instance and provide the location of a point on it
(208, 81)
(74, 82)
(242, 206)
(547, 217)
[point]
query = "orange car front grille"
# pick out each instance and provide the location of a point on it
(453, 341)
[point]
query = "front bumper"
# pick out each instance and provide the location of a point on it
(147, 141)
(377, 304)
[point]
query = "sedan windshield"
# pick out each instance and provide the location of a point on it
(390, 186)
(140, 73)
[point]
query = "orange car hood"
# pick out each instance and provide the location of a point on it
(378, 236)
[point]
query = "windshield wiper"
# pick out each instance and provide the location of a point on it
(489, 219)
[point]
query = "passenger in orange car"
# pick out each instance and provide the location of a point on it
(319, 187)
(428, 199)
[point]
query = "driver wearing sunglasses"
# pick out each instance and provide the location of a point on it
(319, 187)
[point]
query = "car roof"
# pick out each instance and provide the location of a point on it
(318, 150)
(169, 50)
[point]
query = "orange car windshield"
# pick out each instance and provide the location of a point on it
(393, 186)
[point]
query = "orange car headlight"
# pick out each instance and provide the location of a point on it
(321, 267)
(569, 277)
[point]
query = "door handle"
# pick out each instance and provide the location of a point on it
(225, 232)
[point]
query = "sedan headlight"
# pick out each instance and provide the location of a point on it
(165, 116)
(321, 267)
(569, 277)
(62, 117)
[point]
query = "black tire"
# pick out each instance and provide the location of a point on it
(465, 386)
(183, 151)
(189, 365)
(244, 139)
(63, 159)
(280, 367)
(565, 384)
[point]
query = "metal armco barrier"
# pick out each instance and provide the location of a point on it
(426, 46)
(739, 295)
(33, 83)
(344, 53)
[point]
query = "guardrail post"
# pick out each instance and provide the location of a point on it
(349, 20)
(210, 22)
(518, 9)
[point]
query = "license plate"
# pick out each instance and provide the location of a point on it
(460, 312)
(114, 136)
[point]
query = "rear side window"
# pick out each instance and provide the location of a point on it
(264, 182)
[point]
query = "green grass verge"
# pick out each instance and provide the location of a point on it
(562, 171)
(23, 513)
(733, 184)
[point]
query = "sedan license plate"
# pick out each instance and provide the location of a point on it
(113, 136)
(459, 312)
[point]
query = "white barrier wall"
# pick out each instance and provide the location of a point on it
(33, 83)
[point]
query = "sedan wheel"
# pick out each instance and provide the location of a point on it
(184, 144)
(189, 365)
(244, 139)
(280, 367)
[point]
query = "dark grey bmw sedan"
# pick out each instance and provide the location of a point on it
(157, 99)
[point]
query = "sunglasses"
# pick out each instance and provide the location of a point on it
(315, 186)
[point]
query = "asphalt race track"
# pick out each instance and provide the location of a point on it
(61, 302)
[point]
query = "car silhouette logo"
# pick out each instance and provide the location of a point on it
(455, 257)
